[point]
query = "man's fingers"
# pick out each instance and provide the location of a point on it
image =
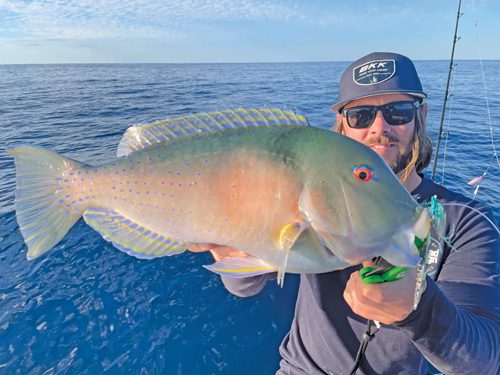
(368, 263)
(218, 251)
(200, 247)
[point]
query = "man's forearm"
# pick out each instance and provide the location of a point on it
(247, 286)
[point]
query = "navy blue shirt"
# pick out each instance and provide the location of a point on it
(456, 326)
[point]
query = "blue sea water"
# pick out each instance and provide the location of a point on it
(87, 308)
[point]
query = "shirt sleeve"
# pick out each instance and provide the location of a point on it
(247, 286)
(457, 323)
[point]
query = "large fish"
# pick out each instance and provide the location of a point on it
(297, 198)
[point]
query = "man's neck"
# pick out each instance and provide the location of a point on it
(412, 181)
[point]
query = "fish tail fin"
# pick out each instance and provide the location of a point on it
(43, 214)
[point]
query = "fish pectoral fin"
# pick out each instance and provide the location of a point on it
(288, 235)
(131, 237)
(239, 267)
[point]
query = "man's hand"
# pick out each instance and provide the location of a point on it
(219, 252)
(388, 302)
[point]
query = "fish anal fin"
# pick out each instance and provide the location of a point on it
(131, 237)
(240, 267)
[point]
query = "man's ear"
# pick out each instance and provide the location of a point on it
(425, 110)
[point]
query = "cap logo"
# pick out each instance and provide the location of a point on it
(373, 72)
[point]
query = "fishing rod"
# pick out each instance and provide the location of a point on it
(440, 134)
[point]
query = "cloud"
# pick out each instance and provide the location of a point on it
(88, 19)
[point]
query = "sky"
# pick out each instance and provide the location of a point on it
(204, 31)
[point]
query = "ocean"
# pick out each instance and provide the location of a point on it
(87, 308)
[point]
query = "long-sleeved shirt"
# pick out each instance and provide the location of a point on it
(456, 326)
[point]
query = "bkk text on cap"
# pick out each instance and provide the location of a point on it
(378, 73)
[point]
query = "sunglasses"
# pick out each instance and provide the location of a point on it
(395, 113)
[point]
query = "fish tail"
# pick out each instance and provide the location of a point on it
(43, 214)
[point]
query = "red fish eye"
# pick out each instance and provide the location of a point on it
(363, 173)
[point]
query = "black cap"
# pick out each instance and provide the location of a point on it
(378, 73)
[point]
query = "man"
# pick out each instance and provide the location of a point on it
(456, 326)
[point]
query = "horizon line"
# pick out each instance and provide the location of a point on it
(224, 62)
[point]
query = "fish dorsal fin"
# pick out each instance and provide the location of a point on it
(138, 137)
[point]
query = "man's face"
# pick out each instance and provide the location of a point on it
(391, 142)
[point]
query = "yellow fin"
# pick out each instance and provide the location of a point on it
(287, 238)
(131, 237)
(145, 135)
(289, 234)
(239, 267)
(43, 215)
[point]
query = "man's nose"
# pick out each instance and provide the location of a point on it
(380, 126)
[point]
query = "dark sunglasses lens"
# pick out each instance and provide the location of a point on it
(360, 117)
(399, 113)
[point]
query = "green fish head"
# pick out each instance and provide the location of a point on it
(354, 200)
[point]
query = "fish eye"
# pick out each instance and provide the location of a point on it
(363, 173)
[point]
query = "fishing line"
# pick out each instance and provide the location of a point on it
(485, 89)
(477, 211)
(367, 337)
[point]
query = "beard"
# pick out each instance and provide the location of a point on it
(404, 156)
